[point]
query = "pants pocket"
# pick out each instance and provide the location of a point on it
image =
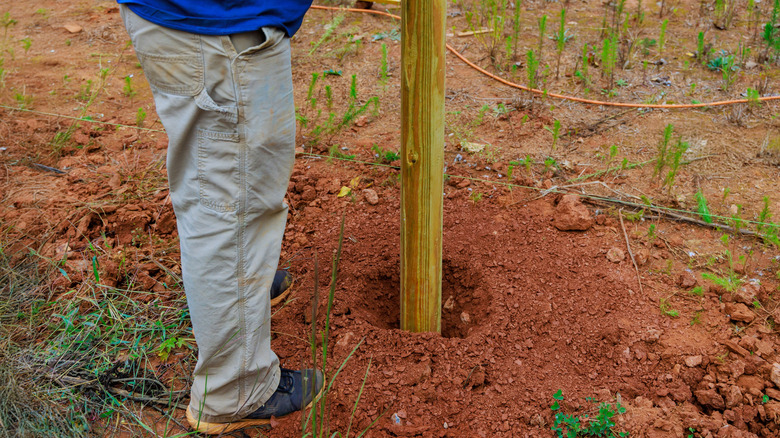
(218, 170)
(171, 59)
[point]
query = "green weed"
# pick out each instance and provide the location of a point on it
(532, 68)
(385, 156)
(598, 424)
(555, 131)
(662, 36)
(26, 44)
(383, 66)
(703, 210)
(128, 89)
(667, 309)
(330, 28)
(140, 116)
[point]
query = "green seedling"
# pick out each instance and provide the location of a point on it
(700, 48)
(667, 309)
(140, 117)
(385, 156)
(532, 69)
(582, 73)
(555, 131)
(475, 196)
(335, 152)
(674, 162)
(698, 291)
(310, 95)
(609, 50)
(542, 26)
(26, 44)
(651, 236)
(662, 36)
(560, 40)
(770, 34)
(599, 425)
(383, 67)
(128, 89)
(703, 209)
(663, 150)
(330, 28)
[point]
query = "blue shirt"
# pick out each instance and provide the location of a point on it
(222, 17)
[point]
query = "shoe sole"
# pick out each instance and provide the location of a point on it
(207, 428)
(283, 295)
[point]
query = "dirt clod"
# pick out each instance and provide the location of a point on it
(572, 215)
(616, 255)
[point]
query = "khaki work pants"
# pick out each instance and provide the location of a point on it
(226, 103)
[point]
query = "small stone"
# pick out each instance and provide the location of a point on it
(371, 196)
(740, 312)
(641, 257)
(450, 303)
(709, 397)
(616, 255)
(774, 375)
(747, 293)
(686, 280)
(772, 392)
(733, 396)
(464, 183)
(750, 65)
(465, 317)
(572, 215)
(73, 28)
(693, 361)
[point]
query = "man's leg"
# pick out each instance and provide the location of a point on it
(230, 121)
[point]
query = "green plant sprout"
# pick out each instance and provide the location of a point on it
(600, 425)
(663, 150)
(383, 67)
(384, 156)
(667, 309)
(560, 40)
(609, 59)
(700, 49)
(582, 73)
(662, 36)
(140, 117)
(26, 44)
(128, 89)
(770, 34)
(555, 131)
(703, 210)
(542, 26)
(674, 163)
(532, 69)
(330, 28)
(310, 94)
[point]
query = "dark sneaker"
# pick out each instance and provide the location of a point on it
(297, 391)
(281, 287)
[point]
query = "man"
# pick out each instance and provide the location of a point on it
(222, 84)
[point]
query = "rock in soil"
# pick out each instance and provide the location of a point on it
(616, 255)
(693, 361)
(740, 312)
(371, 196)
(572, 215)
(774, 375)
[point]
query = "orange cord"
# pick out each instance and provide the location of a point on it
(558, 96)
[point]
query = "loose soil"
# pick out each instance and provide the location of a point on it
(527, 308)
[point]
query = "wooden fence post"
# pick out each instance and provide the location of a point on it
(423, 25)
